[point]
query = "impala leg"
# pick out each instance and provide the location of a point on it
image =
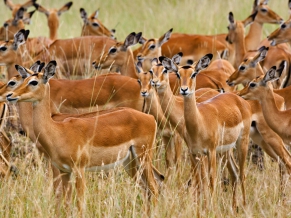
(57, 181)
(170, 151)
(242, 146)
(178, 148)
(195, 180)
(80, 188)
(233, 171)
(67, 188)
(212, 170)
(273, 145)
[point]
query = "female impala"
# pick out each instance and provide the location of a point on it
(93, 26)
(96, 143)
(213, 126)
(260, 89)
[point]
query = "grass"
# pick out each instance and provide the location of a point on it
(115, 194)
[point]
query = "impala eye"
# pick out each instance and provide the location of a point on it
(95, 24)
(139, 81)
(3, 48)
(164, 71)
(152, 47)
(242, 68)
(33, 83)
(11, 83)
(178, 75)
(283, 26)
(252, 85)
(264, 10)
(112, 50)
(151, 72)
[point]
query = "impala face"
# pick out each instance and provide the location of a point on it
(248, 69)
(265, 14)
(256, 88)
(152, 48)
(117, 54)
(282, 34)
(235, 28)
(32, 90)
(145, 81)
(93, 26)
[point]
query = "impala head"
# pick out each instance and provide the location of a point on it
(282, 34)
(33, 87)
(12, 26)
(117, 55)
(187, 74)
(237, 28)
(53, 17)
(93, 26)
(248, 69)
(265, 14)
(145, 80)
(256, 89)
(17, 80)
(8, 49)
(15, 8)
(152, 48)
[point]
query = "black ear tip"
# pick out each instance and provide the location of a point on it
(274, 68)
(113, 30)
(137, 34)
(171, 30)
(36, 5)
(53, 62)
(38, 62)
(180, 54)
(230, 13)
(210, 56)
(161, 58)
(16, 66)
(69, 4)
(82, 9)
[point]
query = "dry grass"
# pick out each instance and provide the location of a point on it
(116, 195)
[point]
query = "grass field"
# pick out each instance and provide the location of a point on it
(115, 194)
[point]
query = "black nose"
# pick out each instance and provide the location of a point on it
(5, 25)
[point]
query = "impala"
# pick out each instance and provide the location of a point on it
(93, 26)
(151, 49)
(235, 36)
(120, 56)
(260, 89)
(15, 8)
(103, 143)
(53, 18)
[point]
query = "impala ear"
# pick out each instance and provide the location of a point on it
(20, 38)
(35, 67)
(261, 56)
(138, 36)
(271, 75)
(22, 71)
(41, 9)
(203, 62)
(83, 14)
(65, 8)
(177, 58)
(49, 71)
(250, 19)
(18, 16)
(168, 64)
(281, 67)
(95, 14)
(129, 41)
(165, 37)
(154, 62)
(142, 40)
(27, 18)
(231, 18)
(139, 67)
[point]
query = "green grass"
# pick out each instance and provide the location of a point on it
(116, 195)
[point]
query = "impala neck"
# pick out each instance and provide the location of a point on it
(240, 49)
(191, 114)
(42, 121)
(271, 113)
(154, 108)
(53, 23)
(128, 68)
(253, 38)
(172, 108)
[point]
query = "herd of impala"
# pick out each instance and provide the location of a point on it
(178, 87)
